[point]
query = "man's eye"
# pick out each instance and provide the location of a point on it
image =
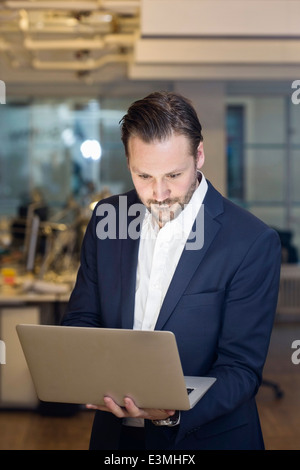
(144, 177)
(174, 175)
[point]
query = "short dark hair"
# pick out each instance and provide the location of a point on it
(158, 116)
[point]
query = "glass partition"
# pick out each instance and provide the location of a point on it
(58, 150)
(263, 153)
(57, 158)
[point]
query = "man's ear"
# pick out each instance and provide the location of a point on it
(200, 156)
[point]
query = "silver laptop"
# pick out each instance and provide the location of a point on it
(82, 365)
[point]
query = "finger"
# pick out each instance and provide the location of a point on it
(135, 412)
(146, 413)
(132, 409)
(96, 407)
(91, 407)
(114, 408)
(158, 414)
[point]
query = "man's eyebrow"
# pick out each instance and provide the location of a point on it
(137, 170)
(177, 170)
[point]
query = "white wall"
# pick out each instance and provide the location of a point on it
(220, 17)
(208, 99)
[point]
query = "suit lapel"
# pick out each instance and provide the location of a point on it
(128, 280)
(129, 260)
(190, 259)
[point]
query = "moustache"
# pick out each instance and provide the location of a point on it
(166, 203)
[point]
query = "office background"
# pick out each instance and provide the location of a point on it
(70, 70)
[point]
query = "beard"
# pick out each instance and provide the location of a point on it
(170, 208)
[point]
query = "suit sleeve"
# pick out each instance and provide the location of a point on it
(84, 304)
(248, 316)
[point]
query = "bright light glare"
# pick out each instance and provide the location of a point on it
(91, 149)
(68, 137)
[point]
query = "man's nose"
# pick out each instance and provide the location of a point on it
(160, 191)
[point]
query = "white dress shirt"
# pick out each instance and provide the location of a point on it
(159, 253)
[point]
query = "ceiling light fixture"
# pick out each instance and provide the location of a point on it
(122, 7)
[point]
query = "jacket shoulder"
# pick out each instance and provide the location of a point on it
(233, 216)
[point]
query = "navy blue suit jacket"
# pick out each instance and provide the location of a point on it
(220, 305)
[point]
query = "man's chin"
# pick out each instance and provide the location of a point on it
(164, 214)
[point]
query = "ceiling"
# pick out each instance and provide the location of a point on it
(87, 41)
(53, 45)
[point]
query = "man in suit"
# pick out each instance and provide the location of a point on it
(192, 263)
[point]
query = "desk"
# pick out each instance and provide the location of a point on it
(16, 306)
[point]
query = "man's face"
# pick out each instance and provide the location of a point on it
(164, 174)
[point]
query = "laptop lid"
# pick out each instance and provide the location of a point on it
(81, 365)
